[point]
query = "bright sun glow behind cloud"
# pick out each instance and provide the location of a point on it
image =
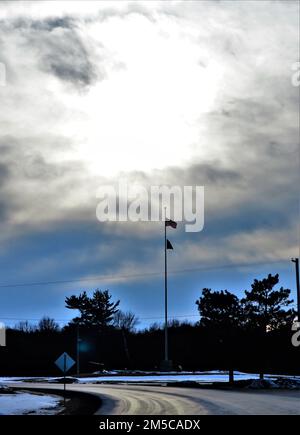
(144, 114)
(201, 90)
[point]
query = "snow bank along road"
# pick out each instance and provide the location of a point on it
(159, 400)
(24, 403)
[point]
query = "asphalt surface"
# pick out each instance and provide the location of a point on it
(160, 400)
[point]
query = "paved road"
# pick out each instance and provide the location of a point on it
(159, 400)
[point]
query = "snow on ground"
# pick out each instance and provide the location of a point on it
(166, 377)
(26, 403)
(3, 388)
(210, 376)
(15, 379)
(138, 376)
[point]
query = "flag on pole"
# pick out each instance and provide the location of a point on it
(170, 223)
(169, 245)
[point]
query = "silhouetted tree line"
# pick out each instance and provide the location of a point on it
(248, 334)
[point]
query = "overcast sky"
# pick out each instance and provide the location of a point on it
(179, 93)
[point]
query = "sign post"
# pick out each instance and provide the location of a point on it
(64, 363)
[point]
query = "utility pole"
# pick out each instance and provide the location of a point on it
(78, 351)
(65, 370)
(166, 364)
(296, 261)
(166, 296)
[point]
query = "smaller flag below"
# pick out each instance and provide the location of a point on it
(169, 245)
(170, 223)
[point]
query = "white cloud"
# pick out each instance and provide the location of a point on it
(168, 90)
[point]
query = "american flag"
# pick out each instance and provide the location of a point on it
(170, 223)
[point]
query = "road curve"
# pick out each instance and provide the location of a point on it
(160, 400)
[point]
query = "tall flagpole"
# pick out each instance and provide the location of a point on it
(166, 294)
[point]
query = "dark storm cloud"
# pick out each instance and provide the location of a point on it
(63, 54)
(47, 24)
(60, 48)
(68, 59)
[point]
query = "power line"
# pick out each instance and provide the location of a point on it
(132, 276)
(140, 275)
(138, 317)
(66, 321)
